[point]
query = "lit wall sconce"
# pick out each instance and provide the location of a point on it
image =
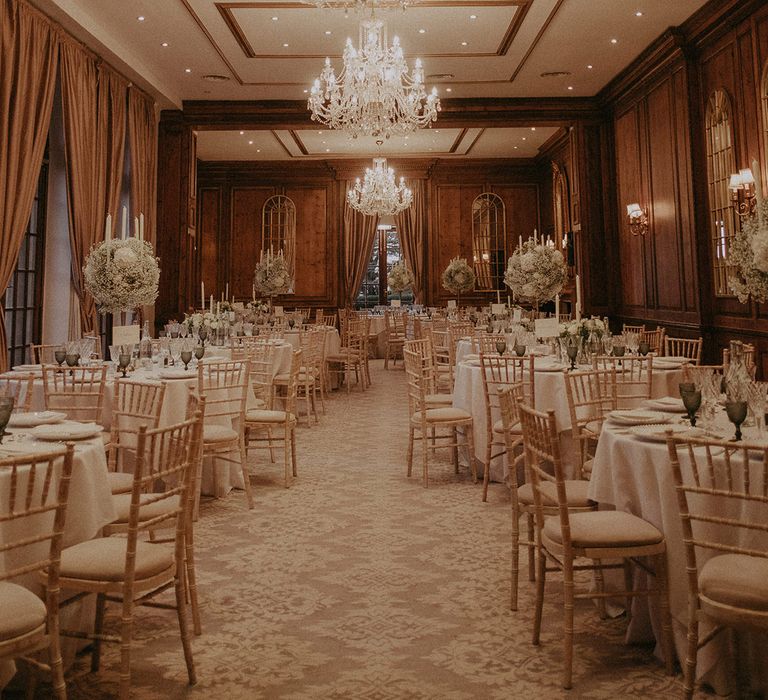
(742, 187)
(638, 219)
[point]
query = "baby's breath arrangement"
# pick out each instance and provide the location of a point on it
(400, 278)
(272, 276)
(536, 272)
(458, 277)
(748, 253)
(122, 274)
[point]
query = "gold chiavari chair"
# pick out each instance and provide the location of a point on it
(20, 388)
(690, 372)
(261, 356)
(350, 358)
(444, 354)
(134, 404)
(499, 372)
(484, 342)
(601, 536)
(395, 336)
(722, 498)
(591, 396)
(425, 421)
(308, 383)
(634, 377)
(77, 391)
(32, 516)
(748, 351)
(433, 398)
(564, 318)
(42, 354)
(224, 385)
(131, 570)
(628, 328)
(268, 421)
(655, 339)
(328, 320)
(684, 347)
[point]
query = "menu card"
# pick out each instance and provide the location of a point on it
(517, 315)
(546, 327)
(451, 303)
(395, 303)
(125, 335)
(277, 310)
(498, 309)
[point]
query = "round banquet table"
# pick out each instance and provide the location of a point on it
(549, 389)
(633, 475)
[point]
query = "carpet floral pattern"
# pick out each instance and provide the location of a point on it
(359, 583)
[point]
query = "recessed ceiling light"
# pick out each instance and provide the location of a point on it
(422, 31)
(323, 143)
(515, 147)
(327, 32)
(473, 16)
(327, 150)
(525, 138)
(250, 143)
(320, 132)
(570, 87)
(533, 128)
(164, 44)
(589, 66)
(187, 70)
(638, 14)
(406, 138)
(463, 43)
(285, 46)
(140, 18)
(449, 89)
(305, 92)
(614, 41)
(241, 133)
(258, 150)
(274, 19)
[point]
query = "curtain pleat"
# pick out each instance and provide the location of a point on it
(359, 233)
(142, 133)
(113, 97)
(29, 50)
(411, 226)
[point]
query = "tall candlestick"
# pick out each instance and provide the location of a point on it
(202, 294)
(534, 235)
(211, 303)
(136, 228)
(253, 291)
(141, 227)
(125, 223)
(108, 228)
(218, 308)
(226, 295)
(498, 297)
(557, 306)
(520, 243)
(578, 298)
(509, 302)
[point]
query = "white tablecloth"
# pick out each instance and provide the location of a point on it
(634, 476)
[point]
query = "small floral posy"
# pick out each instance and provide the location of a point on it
(122, 274)
(458, 277)
(272, 276)
(583, 328)
(536, 272)
(400, 278)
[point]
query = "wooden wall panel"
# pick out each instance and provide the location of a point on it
(521, 203)
(243, 244)
(209, 223)
(313, 245)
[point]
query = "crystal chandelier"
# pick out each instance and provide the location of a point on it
(373, 94)
(378, 193)
(359, 5)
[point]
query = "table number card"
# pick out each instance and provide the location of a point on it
(125, 335)
(517, 315)
(498, 309)
(395, 303)
(277, 310)
(451, 303)
(547, 327)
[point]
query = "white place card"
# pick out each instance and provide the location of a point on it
(277, 310)
(517, 315)
(451, 303)
(546, 327)
(498, 309)
(125, 335)
(395, 303)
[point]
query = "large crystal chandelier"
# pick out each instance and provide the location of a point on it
(378, 193)
(359, 5)
(373, 94)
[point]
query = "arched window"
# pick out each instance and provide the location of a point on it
(561, 204)
(764, 100)
(489, 250)
(278, 228)
(720, 165)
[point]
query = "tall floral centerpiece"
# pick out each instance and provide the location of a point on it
(400, 278)
(122, 274)
(272, 276)
(749, 252)
(536, 272)
(458, 277)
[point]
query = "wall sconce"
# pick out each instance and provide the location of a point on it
(742, 187)
(638, 219)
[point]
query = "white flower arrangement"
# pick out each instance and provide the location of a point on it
(748, 253)
(122, 274)
(400, 278)
(272, 276)
(536, 272)
(458, 277)
(258, 307)
(197, 320)
(583, 328)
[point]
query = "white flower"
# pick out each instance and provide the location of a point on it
(748, 254)
(760, 250)
(458, 276)
(272, 276)
(536, 273)
(124, 257)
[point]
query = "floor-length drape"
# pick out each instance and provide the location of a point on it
(113, 96)
(142, 133)
(411, 227)
(29, 49)
(359, 233)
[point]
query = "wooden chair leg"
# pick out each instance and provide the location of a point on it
(126, 636)
(246, 474)
(98, 628)
(470, 440)
(293, 451)
(600, 585)
(541, 574)
(287, 457)
(189, 563)
(54, 657)
(667, 644)
(410, 451)
(455, 449)
(181, 613)
(567, 624)
(531, 549)
(628, 587)
(515, 573)
(487, 468)
(424, 460)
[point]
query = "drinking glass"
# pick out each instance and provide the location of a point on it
(72, 359)
(199, 352)
(737, 413)
(692, 403)
(519, 349)
(60, 354)
(186, 358)
(632, 341)
(501, 347)
(123, 361)
(757, 397)
(202, 334)
(174, 347)
(644, 348)
(6, 408)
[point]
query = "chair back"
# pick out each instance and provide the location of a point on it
(423, 347)
(134, 404)
(42, 354)
(628, 328)
(484, 342)
(634, 377)
(591, 396)
(655, 339)
(327, 320)
(35, 489)
(77, 391)
(509, 397)
(225, 388)
(500, 372)
(417, 375)
(20, 389)
(292, 384)
(748, 350)
(261, 357)
(692, 372)
(722, 497)
(684, 347)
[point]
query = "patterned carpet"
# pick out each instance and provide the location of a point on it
(359, 583)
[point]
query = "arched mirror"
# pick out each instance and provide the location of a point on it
(489, 250)
(278, 228)
(720, 165)
(561, 204)
(764, 101)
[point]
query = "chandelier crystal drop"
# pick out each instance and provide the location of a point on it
(359, 5)
(374, 94)
(378, 194)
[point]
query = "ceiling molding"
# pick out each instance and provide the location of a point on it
(536, 41)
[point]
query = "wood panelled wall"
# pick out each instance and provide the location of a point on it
(656, 129)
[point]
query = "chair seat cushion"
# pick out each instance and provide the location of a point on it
(436, 415)
(736, 579)
(120, 482)
(122, 502)
(516, 429)
(609, 528)
(303, 376)
(103, 559)
(439, 399)
(264, 416)
(575, 493)
(218, 433)
(594, 427)
(21, 611)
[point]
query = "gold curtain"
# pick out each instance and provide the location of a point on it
(29, 50)
(411, 226)
(113, 95)
(142, 132)
(359, 233)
